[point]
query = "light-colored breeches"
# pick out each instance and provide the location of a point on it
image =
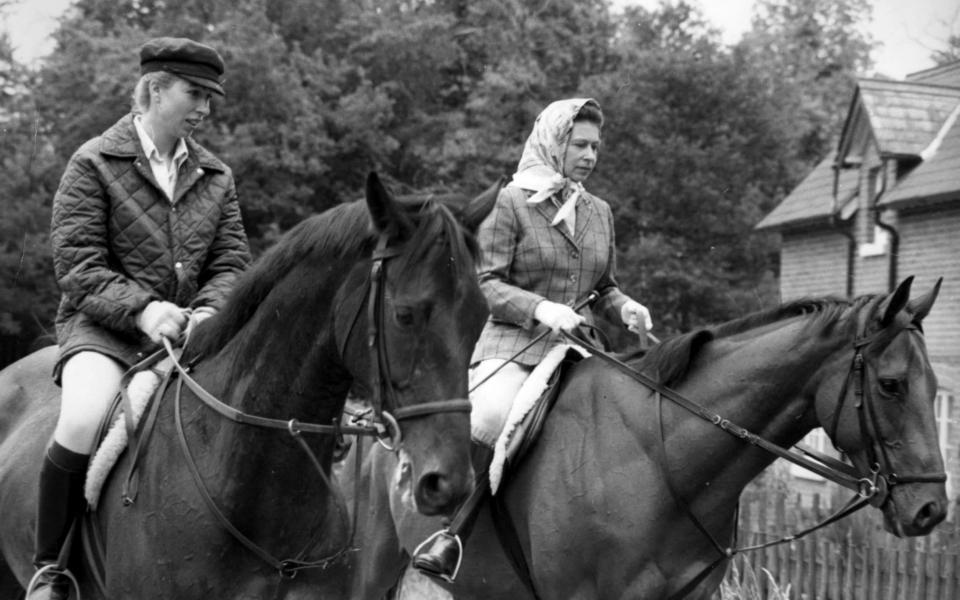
(494, 397)
(89, 381)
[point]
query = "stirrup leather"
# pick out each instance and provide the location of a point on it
(445, 533)
(52, 570)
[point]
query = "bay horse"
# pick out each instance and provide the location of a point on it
(235, 497)
(630, 494)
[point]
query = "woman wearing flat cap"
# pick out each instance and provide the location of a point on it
(147, 242)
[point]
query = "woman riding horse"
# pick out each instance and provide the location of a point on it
(546, 245)
(147, 242)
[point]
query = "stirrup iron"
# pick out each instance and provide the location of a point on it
(444, 532)
(52, 569)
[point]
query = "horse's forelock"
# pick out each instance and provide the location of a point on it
(438, 236)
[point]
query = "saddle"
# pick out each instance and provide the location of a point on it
(530, 409)
(140, 385)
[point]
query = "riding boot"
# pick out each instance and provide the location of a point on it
(440, 555)
(59, 503)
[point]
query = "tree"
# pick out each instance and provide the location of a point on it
(28, 292)
(950, 53)
(693, 156)
(809, 53)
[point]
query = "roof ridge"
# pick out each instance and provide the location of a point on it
(930, 150)
(901, 82)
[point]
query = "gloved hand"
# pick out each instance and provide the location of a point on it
(557, 316)
(161, 319)
(197, 315)
(636, 317)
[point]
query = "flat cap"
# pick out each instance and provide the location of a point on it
(185, 58)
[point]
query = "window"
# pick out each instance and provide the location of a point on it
(879, 245)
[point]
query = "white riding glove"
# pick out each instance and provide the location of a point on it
(557, 316)
(636, 317)
(161, 319)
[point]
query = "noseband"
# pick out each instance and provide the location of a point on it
(883, 476)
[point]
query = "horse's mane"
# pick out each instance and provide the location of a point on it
(670, 361)
(342, 231)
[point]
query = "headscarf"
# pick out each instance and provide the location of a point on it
(541, 165)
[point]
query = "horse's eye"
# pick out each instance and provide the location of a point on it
(404, 316)
(889, 385)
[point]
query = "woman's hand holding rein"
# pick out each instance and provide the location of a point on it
(557, 316)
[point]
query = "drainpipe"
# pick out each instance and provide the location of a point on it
(890, 229)
(844, 231)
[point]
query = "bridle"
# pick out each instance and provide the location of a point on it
(388, 415)
(386, 405)
(884, 477)
(872, 489)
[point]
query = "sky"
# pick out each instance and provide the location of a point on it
(910, 30)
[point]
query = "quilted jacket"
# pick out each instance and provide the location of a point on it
(525, 260)
(119, 242)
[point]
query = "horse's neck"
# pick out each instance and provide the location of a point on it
(765, 383)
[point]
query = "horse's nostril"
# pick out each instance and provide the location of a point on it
(929, 515)
(434, 485)
(436, 494)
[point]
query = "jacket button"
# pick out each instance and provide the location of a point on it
(178, 265)
(575, 254)
(573, 278)
(199, 171)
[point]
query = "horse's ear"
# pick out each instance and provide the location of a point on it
(920, 307)
(383, 209)
(478, 208)
(896, 301)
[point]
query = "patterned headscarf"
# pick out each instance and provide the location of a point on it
(541, 164)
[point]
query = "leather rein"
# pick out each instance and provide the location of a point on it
(385, 426)
(868, 489)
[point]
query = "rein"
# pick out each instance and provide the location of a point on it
(385, 427)
(873, 489)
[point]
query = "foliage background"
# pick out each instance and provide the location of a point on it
(701, 139)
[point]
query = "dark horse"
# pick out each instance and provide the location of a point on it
(378, 297)
(606, 502)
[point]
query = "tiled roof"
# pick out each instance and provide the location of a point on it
(812, 200)
(906, 116)
(937, 178)
(916, 118)
(948, 74)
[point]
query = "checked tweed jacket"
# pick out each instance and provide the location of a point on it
(526, 260)
(119, 243)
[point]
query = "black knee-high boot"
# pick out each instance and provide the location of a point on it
(59, 502)
(441, 555)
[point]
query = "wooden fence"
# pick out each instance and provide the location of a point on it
(853, 559)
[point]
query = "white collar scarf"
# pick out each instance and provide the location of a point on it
(541, 164)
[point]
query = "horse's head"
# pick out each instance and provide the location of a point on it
(423, 311)
(880, 411)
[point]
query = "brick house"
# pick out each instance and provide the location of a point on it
(883, 206)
